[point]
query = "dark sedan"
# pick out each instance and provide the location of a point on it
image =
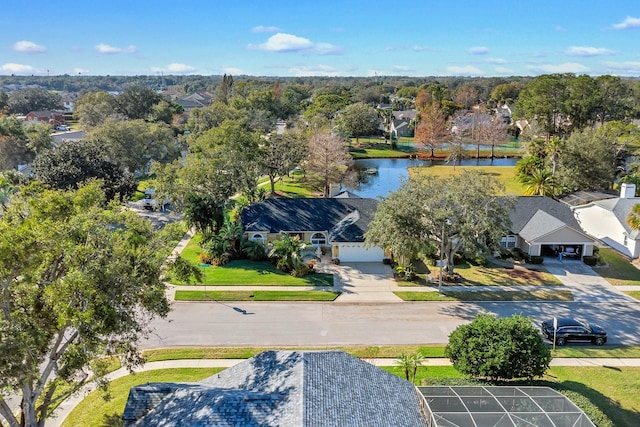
(574, 330)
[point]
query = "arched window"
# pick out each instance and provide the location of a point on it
(257, 237)
(318, 239)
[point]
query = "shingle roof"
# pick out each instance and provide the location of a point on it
(525, 214)
(346, 219)
(283, 388)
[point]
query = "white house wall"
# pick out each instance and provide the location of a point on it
(604, 225)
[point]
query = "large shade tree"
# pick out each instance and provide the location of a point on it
(357, 120)
(71, 165)
(428, 214)
(432, 131)
(77, 282)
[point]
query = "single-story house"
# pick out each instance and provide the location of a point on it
(337, 224)
(543, 226)
(606, 219)
(335, 389)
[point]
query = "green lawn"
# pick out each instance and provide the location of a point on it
(95, 411)
(619, 270)
(250, 273)
(391, 351)
(504, 174)
(471, 295)
(256, 295)
(613, 390)
(296, 186)
(633, 294)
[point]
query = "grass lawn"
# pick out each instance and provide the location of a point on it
(295, 186)
(633, 294)
(250, 273)
(619, 271)
(256, 295)
(477, 275)
(94, 410)
(612, 390)
(377, 150)
(471, 295)
(504, 174)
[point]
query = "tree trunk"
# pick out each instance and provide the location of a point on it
(272, 181)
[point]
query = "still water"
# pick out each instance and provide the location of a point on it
(391, 172)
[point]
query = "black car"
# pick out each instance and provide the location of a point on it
(573, 330)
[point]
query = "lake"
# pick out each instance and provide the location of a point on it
(391, 172)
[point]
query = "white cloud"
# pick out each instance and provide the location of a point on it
(504, 70)
(629, 23)
(282, 42)
(495, 61)
(109, 50)
(174, 68)
(17, 68)
(568, 67)
(26, 46)
(417, 48)
(232, 70)
(478, 50)
(468, 70)
(315, 70)
(402, 69)
(78, 70)
(265, 29)
(625, 67)
(587, 51)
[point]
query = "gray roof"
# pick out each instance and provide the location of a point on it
(282, 388)
(346, 219)
(534, 216)
(346, 194)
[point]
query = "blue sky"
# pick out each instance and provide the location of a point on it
(320, 38)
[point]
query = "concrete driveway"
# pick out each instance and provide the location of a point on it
(364, 282)
(585, 284)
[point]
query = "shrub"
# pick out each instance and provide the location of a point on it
(536, 259)
(590, 260)
(498, 348)
(300, 270)
(253, 250)
(204, 258)
(386, 261)
(335, 261)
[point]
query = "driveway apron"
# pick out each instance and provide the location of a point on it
(585, 284)
(365, 282)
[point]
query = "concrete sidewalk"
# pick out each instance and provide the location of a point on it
(68, 405)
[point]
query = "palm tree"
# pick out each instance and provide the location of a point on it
(633, 219)
(539, 183)
(410, 364)
(287, 252)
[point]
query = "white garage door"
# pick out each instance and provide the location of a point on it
(357, 252)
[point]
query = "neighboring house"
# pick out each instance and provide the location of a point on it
(606, 219)
(195, 100)
(543, 226)
(282, 388)
(50, 117)
(338, 224)
(402, 124)
(335, 389)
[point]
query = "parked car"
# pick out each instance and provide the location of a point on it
(150, 202)
(570, 329)
(64, 128)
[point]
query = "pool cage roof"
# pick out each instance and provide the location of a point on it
(500, 406)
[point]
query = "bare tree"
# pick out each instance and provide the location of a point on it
(493, 132)
(328, 160)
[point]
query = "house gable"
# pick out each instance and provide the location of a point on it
(292, 388)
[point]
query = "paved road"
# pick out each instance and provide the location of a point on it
(321, 324)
